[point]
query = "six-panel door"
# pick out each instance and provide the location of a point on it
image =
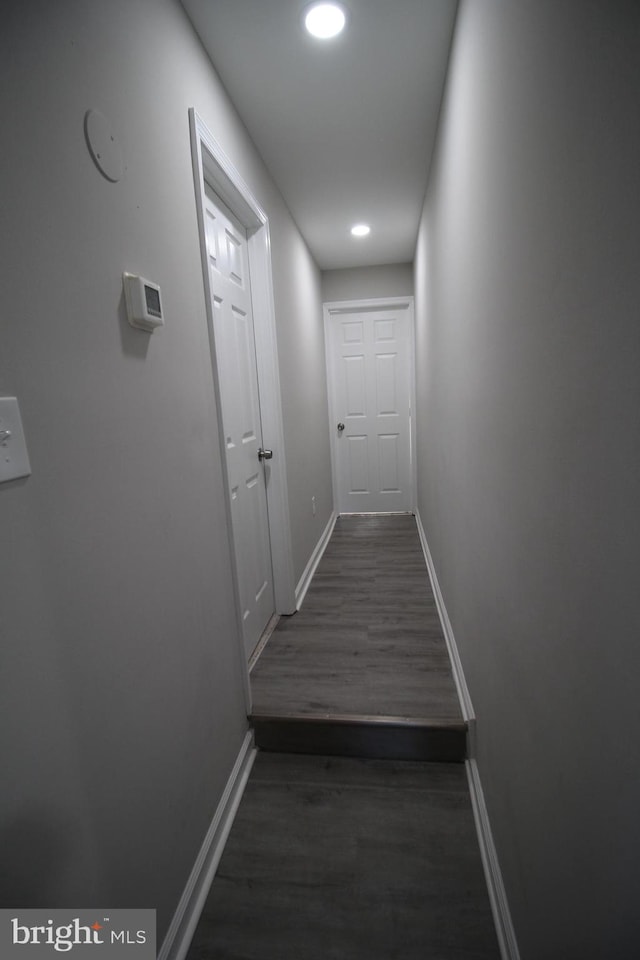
(370, 395)
(238, 384)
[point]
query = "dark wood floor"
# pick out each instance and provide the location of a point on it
(366, 649)
(339, 857)
(346, 859)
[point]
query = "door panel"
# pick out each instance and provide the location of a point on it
(358, 463)
(370, 390)
(240, 406)
(389, 461)
(355, 386)
(386, 387)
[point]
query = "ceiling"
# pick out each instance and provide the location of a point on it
(346, 126)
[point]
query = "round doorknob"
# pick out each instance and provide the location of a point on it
(340, 427)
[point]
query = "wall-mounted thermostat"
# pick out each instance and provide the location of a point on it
(144, 306)
(14, 459)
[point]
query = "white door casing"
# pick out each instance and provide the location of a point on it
(370, 377)
(232, 313)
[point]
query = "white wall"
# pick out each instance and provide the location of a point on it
(528, 342)
(368, 283)
(304, 394)
(122, 701)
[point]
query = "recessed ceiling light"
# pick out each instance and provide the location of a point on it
(325, 20)
(361, 230)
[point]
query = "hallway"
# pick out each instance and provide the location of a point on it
(340, 856)
(362, 669)
(125, 690)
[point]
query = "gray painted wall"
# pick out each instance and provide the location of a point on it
(122, 700)
(528, 359)
(304, 393)
(368, 283)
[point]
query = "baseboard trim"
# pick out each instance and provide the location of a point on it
(493, 875)
(314, 560)
(185, 920)
(456, 664)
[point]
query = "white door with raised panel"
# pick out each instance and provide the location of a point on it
(370, 390)
(247, 468)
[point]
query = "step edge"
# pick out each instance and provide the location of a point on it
(357, 719)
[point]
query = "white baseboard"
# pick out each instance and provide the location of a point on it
(314, 560)
(493, 875)
(456, 664)
(185, 920)
(497, 895)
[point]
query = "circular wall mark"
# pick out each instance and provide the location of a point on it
(103, 145)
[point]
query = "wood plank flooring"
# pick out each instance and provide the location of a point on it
(339, 857)
(345, 859)
(365, 653)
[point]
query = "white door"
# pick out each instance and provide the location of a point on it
(238, 384)
(370, 388)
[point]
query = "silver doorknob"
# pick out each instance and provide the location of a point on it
(340, 427)
(265, 454)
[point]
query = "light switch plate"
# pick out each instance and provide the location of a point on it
(14, 459)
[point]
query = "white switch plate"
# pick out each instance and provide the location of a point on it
(14, 459)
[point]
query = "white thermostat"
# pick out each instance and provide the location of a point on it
(144, 306)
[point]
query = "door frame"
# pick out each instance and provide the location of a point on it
(210, 163)
(334, 308)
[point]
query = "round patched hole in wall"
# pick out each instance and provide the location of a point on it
(103, 145)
